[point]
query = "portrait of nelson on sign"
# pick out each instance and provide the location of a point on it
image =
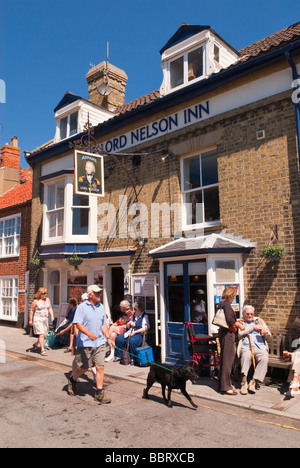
(88, 174)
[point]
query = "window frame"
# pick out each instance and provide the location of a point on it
(68, 125)
(201, 188)
(14, 298)
(185, 56)
(48, 212)
(67, 235)
(16, 237)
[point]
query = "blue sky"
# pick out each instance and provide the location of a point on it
(48, 46)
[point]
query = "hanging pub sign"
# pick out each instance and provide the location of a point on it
(88, 174)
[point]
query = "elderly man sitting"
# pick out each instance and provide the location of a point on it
(253, 348)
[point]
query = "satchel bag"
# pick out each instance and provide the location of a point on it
(220, 319)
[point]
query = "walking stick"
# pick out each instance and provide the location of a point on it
(253, 358)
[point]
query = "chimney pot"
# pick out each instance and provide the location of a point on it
(14, 142)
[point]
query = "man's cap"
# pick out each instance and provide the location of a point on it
(93, 288)
(200, 292)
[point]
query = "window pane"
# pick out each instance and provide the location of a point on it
(63, 127)
(52, 225)
(175, 273)
(60, 197)
(194, 208)
(225, 270)
(73, 123)
(51, 197)
(176, 70)
(209, 169)
(80, 221)
(211, 204)
(77, 285)
(191, 168)
(9, 227)
(176, 304)
(56, 295)
(18, 221)
(60, 223)
(195, 64)
(197, 268)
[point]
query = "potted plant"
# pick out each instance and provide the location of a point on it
(74, 260)
(273, 253)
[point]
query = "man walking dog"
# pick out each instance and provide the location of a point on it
(91, 322)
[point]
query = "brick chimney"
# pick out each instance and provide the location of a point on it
(9, 165)
(10, 155)
(107, 85)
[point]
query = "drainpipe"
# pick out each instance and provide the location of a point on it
(296, 76)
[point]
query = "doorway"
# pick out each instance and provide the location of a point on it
(117, 291)
(182, 281)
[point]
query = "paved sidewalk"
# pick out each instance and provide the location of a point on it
(269, 399)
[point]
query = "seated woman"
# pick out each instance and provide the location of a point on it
(63, 333)
(138, 324)
(119, 327)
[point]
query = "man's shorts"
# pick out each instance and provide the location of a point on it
(90, 357)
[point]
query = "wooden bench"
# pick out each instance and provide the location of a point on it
(281, 340)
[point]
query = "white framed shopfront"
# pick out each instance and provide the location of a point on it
(60, 279)
(212, 283)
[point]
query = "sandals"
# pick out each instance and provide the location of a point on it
(229, 392)
(35, 347)
(43, 353)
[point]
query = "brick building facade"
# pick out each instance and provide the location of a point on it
(199, 177)
(15, 225)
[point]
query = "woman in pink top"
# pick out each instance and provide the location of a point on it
(38, 318)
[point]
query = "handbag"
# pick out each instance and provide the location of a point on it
(50, 339)
(125, 360)
(220, 319)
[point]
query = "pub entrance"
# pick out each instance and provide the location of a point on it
(182, 280)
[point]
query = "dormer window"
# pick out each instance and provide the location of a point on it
(73, 112)
(193, 54)
(68, 125)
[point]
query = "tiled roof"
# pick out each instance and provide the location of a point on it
(272, 42)
(18, 195)
(221, 243)
(261, 47)
(141, 101)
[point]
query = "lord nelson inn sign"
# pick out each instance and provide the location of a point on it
(158, 128)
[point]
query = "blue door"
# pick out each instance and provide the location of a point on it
(182, 280)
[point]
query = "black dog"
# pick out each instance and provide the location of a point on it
(171, 377)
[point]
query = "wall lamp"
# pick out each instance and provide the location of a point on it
(143, 240)
(166, 156)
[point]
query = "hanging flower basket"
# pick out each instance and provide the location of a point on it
(74, 261)
(36, 263)
(273, 253)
